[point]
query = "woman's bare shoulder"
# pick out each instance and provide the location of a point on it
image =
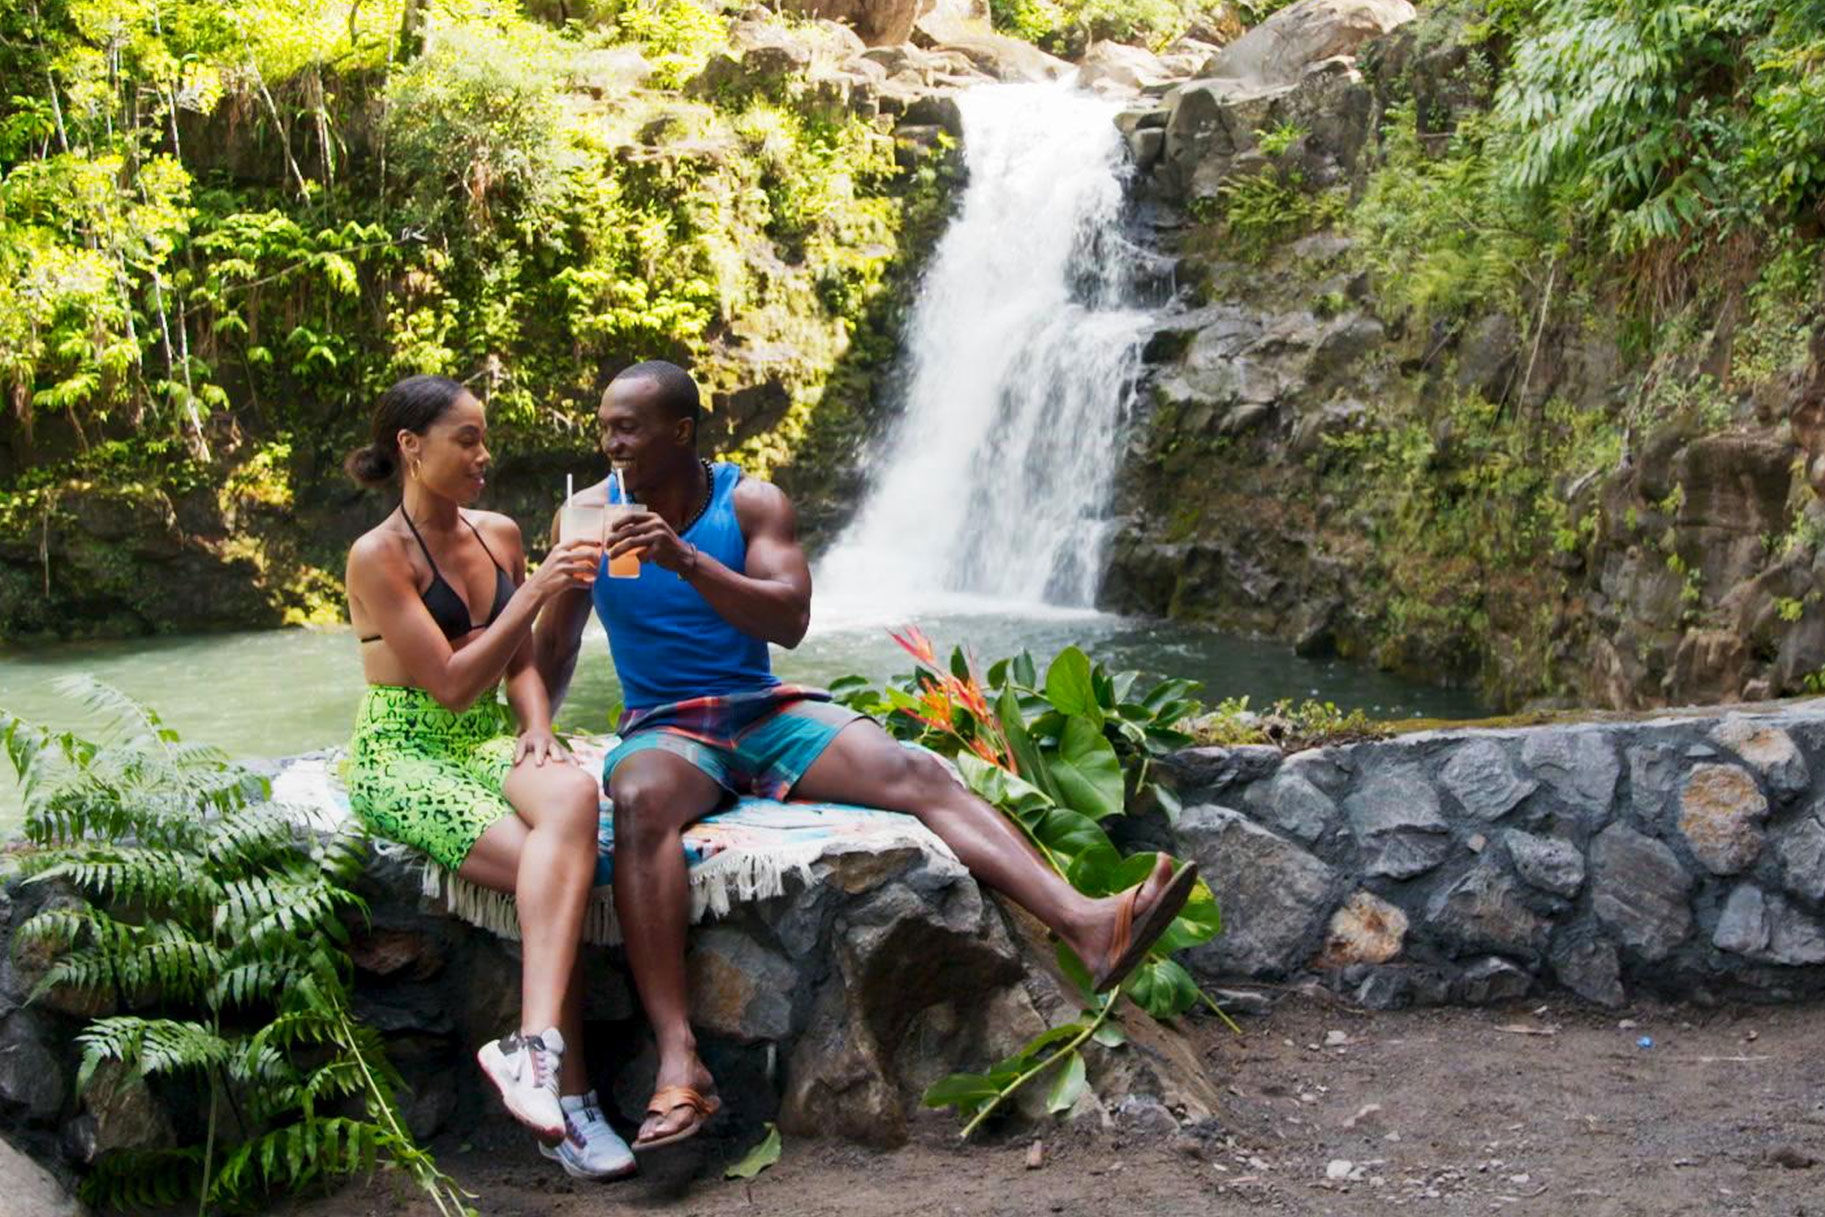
(494, 526)
(380, 543)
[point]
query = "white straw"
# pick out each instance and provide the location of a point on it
(570, 488)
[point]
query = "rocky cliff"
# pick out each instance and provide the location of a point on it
(1555, 490)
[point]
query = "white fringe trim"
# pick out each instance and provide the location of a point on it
(719, 883)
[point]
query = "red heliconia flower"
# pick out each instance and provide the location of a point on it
(986, 751)
(916, 644)
(937, 709)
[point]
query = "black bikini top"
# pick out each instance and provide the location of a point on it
(441, 600)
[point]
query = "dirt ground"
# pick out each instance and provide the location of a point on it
(1531, 1109)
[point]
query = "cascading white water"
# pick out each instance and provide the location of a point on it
(1022, 346)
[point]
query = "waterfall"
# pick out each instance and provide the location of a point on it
(1022, 346)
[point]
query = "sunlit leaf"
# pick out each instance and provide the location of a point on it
(1068, 1084)
(759, 1158)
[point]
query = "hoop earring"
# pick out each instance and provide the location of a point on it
(418, 465)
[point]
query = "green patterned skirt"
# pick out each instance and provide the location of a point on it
(426, 776)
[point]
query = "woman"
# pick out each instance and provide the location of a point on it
(440, 600)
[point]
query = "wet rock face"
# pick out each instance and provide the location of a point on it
(1669, 856)
(1236, 506)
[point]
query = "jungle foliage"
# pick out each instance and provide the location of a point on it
(223, 219)
(208, 931)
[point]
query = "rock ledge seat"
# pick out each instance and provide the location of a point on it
(852, 961)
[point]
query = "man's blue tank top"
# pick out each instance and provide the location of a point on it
(668, 643)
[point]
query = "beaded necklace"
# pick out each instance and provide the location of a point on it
(709, 492)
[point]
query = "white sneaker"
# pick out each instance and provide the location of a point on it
(590, 1148)
(524, 1068)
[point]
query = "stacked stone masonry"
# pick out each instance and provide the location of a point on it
(828, 1009)
(1681, 856)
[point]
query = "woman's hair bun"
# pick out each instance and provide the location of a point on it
(411, 405)
(370, 465)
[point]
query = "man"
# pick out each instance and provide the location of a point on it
(721, 576)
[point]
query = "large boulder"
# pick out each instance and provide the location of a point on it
(1006, 59)
(32, 1191)
(886, 22)
(1124, 67)
(1280, 50)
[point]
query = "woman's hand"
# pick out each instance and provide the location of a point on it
(540, 746)
(649, 534)
(568, 566)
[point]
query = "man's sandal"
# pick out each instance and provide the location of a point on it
(673, 1097)
(1133, 939)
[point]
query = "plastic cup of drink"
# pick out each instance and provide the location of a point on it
(583, 522)
(627, 565)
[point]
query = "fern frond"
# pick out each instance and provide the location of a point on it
(143, 1178)
(240, 844)
(157, 879)
(173, 962)
(99, 953)
(126, 716)
(207, 897)
(146, 1046)
(258, 981)
(298, 1154)
(291, 905)
(342, 855)
(294, 1029)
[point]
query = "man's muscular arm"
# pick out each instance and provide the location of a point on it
(772, 598)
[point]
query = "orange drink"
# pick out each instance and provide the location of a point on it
(622, 566)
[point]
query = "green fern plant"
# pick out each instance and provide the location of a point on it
(213, 932)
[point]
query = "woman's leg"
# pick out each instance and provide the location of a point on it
(546, 857)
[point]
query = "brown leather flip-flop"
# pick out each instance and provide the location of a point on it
(1133, 939)
(673, 1097)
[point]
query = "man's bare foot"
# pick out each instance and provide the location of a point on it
(1093, 944)
(687, 1071)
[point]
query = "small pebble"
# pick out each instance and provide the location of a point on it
(1036, 1155)
(1336, 1039)
(1339, 1168)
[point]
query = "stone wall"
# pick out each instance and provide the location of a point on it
(1681, 856)
(828, 1009)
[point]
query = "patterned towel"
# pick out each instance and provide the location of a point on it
(739, 854)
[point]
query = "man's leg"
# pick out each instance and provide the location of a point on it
(656, 794)
(863, 765)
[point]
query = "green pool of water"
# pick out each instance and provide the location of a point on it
(278, 692)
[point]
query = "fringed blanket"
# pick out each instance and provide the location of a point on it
(743, 853)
